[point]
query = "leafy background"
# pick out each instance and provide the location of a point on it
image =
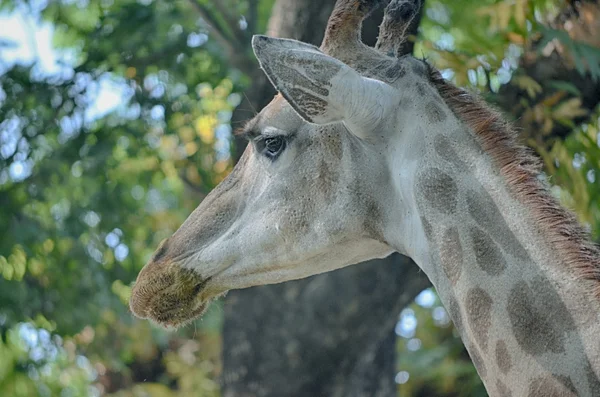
(118, 120)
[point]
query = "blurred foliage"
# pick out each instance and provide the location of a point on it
(107, 147)
(431, 357)
(575, 168)
(103, 154)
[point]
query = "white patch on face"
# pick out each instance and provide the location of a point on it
(272, 131)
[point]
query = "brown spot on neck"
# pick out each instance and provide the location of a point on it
(434, 113)
(451, 255)
(548, 386)
(479, 312)
(484, 211)
(539, 318)
(438, 189)
(503, 357)
(487, 254)
(444, 148)
(503, 391)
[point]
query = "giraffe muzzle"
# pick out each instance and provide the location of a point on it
(168, 295)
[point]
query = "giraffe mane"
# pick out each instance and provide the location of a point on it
(521, 170)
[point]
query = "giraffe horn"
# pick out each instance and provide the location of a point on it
(344, 25)
(398, 17)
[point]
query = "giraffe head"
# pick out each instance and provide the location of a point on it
(312, 191)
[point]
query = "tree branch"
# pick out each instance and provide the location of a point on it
(213, 26)
(252, 16)
(232, 21)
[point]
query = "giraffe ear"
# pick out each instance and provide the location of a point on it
(321, 88)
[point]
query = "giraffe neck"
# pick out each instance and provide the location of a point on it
(529, 322)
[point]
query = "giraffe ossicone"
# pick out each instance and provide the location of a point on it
(364, 154)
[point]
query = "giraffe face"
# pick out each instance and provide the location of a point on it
(305, 198)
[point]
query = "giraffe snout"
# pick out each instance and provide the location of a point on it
(167, 294)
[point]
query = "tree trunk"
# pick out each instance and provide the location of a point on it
(328, 335)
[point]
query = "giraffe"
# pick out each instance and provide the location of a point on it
(364, 153)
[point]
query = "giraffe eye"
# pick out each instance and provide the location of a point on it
(272, 146)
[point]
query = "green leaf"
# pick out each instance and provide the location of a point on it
(564, 86)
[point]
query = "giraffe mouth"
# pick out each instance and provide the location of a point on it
(169, 309)
(178, 317)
